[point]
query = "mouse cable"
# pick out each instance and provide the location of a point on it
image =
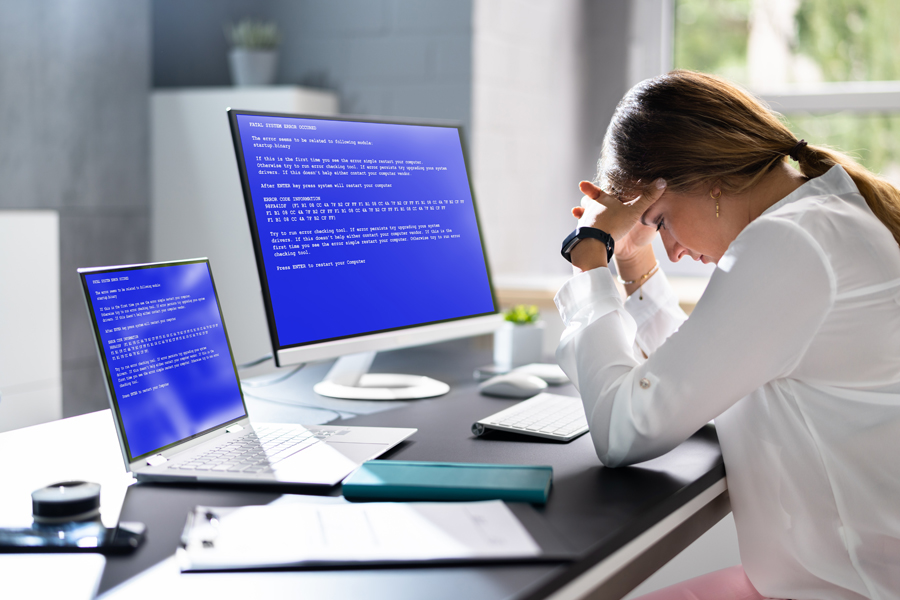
(253, 363)
(340, 414)
(266, 383)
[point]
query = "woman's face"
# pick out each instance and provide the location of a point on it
(689, 227)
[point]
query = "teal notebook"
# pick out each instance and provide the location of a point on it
(408, 480)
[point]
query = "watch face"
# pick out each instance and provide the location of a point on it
(570, 242)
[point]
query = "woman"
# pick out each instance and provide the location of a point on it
(794, 348)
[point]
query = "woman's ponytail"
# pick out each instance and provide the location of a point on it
(696, 130)
(882, 197)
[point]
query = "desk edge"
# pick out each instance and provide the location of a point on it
(601, 573)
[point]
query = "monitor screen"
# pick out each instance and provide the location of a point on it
(164, 351)
(360, 227)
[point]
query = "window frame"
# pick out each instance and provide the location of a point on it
(858, 97)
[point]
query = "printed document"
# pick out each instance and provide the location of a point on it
(295, 534)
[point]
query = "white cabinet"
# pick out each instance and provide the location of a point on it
(197, 206)
(30, 364)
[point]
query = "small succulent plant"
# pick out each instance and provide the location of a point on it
(253, 35)
(522, 313)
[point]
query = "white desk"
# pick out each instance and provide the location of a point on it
(79, 448)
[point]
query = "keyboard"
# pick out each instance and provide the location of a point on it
(257, 452)
(549, 416)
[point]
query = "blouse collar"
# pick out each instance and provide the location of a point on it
(834, 181)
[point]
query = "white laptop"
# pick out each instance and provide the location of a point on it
(175, 394)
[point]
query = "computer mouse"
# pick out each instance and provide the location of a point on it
(549, 372)
(513, 385)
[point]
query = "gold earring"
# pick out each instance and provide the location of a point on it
(716, 198)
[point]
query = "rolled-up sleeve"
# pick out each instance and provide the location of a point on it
(763, 304)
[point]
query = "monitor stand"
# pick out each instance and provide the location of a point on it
(349, 379)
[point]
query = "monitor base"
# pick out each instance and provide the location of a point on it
(348, 379)
(384, 386)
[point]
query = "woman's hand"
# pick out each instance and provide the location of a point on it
(622, 220)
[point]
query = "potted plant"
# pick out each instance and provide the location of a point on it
(254, 52)
(519, 341)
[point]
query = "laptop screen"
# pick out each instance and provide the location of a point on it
(165, 352)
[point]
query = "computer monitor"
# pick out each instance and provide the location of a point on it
(367, 238)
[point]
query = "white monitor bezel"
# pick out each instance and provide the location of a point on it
(390, 340)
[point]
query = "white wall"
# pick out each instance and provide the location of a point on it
(404, 58)
(535, 67)
(546, 79)
(30, 371)
(74, 76)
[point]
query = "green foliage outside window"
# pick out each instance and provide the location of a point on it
(848, 40)
(711, 36)
(851, 40)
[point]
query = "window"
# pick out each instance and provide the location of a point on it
(828, 66)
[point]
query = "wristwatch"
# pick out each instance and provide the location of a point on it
(582, 233)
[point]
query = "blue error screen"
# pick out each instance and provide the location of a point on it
(362, 227)
(167, 354)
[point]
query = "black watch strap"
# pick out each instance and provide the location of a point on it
(581, 233)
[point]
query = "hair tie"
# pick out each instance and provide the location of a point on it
(796, 149)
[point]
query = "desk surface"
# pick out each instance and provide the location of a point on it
(623, 523)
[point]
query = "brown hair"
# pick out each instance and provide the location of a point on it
(696, 130)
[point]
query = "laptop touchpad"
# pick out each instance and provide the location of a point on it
(358, 451)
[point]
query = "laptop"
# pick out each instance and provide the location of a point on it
(176, 397)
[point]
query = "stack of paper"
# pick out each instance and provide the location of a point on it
(281, 535)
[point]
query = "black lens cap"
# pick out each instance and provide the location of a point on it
(66, 501)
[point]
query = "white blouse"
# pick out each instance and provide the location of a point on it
(794, 349)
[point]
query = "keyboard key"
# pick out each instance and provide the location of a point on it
(254, 452)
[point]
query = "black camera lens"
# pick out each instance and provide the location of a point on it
(66, 501)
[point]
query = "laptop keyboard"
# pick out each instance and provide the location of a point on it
(549, 416)
(256, 452)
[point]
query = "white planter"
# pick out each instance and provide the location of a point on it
(252, 67)
(518, 344)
